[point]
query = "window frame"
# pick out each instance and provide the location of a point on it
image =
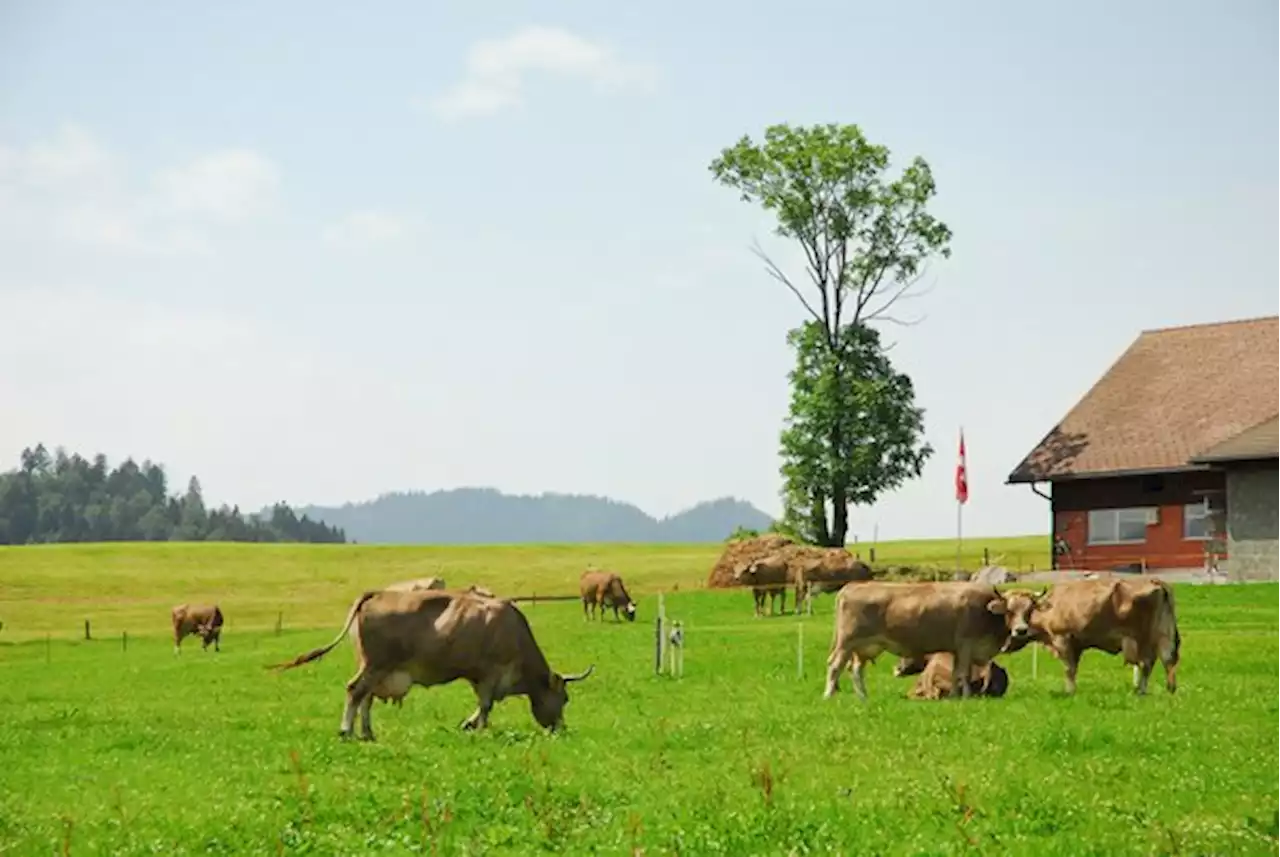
(1112, 536)
(1205, 516)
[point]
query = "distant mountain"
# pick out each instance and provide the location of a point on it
(487, 516)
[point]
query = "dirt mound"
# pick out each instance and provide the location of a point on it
(746, 550)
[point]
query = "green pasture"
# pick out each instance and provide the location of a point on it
(107, 749)
(52, 589)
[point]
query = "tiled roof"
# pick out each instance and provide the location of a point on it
(1173, 394)
(1261, 441)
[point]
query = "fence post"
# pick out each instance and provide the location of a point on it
(986, 557)
(48, 647)
(279, 622)
(86, 630)
(872, 554)
(800, 650)
(124, 641)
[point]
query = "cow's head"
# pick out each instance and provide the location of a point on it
(548, 702)
(910, 666)
(1016, 606)
(744, 571)
(630, 610)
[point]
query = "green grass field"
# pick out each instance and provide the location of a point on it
(108, 750)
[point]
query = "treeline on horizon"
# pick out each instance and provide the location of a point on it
(68, 498)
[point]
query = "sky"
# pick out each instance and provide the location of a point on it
(315, 252)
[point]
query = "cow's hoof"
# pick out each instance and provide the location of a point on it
(344, 735)
(369, 737)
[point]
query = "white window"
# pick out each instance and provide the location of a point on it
(1195, 521)
(1118, 526)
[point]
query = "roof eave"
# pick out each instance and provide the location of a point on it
(1018, 479)
(1243, 458)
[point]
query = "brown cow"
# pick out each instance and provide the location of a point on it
(766, 576)
(814, 577)
(204, 620)
(936, 681)
(435, 637)
(1135, 618)
(602, 589)
(974, 622)
(421, 584)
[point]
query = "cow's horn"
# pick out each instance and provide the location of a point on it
(580, 676)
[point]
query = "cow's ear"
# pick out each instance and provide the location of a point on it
(997, 606)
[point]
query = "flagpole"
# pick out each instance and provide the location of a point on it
(962, 494)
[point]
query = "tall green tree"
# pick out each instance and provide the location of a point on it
(866, 238)
(880, 432)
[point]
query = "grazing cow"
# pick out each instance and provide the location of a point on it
(204, 620)
(766, 576)
(422, 584)
(973, 622)
(936, 681)
(817, 578)
(602, 589)
(436, 637)
(1135, 618)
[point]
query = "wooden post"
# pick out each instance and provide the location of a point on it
(872, 553)
(986, 557)
(86, 630)
(800, 650)
(48, 647)
(279, 622)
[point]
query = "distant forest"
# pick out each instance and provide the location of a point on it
(67, 498)
(488, 516)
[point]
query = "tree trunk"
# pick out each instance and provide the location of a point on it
(839, 516)
(818, 515)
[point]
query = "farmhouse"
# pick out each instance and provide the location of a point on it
(1170, 460)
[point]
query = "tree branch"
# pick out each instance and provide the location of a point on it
(777, 274)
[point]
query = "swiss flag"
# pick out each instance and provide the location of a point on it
(962, 475)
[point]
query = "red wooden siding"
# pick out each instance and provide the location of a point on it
(1164, 546)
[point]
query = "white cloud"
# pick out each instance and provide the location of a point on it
(234, 184)
(497, 69)
(368, 228)
(72, 189)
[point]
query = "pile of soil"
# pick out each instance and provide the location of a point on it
(745, 550)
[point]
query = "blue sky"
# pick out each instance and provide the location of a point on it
(319, 251)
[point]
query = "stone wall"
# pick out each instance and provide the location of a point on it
(1252, 521)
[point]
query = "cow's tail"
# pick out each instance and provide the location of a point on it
(1167, 625)
(317, 654)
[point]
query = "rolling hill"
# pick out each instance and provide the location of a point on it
(488, 516)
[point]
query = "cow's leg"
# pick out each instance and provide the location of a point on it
(859, 679)
(586, 614)
(1071, 665)
(961, 666)
(359, 689)
(836, 662)
(757, 597)
(1141, 675)
(480, 718)
(366, 718)
(1170, 663)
